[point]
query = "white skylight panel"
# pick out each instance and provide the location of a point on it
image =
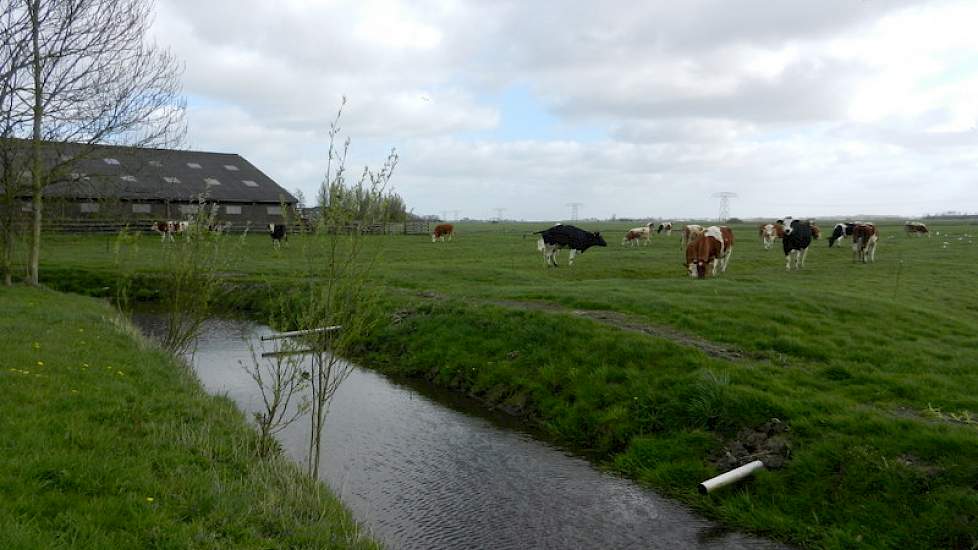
(231, 167)
(250, 183)
(171, 179)
(211, 181)
(113, 162)
(194, 165)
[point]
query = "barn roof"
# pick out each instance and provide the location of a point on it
(130, 173)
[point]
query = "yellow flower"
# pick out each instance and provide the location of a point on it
(40, 363)
(37, 345)
(149, 499)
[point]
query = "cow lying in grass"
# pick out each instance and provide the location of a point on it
(566, 236)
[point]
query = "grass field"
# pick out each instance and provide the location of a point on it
(874, 368)
(109, 443)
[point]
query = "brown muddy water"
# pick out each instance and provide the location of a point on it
(422, 471)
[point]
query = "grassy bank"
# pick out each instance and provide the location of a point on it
(108, 442)
(871, 367)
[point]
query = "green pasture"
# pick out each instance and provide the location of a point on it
(874, 367)
(107, 442)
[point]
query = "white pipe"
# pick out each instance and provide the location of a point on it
(732, 476)
(282, 335)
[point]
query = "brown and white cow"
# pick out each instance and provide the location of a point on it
(638, 235)
(916, 229)
(691, 232)
(443, 230)
(864, 239)
(713, 247)
(169, 228)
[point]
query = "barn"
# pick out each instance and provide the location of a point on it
(127, 184)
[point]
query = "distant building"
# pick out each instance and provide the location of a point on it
(115, 182)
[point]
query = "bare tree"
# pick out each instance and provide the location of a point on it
(81, 71)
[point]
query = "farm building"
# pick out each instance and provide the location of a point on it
(126, 184)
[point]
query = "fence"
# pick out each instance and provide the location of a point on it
(146, 226)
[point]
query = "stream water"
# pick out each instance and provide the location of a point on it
(419, 471)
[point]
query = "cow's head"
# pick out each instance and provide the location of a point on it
(597, 239)
(788, 224)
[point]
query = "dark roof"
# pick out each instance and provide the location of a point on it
(131, 173)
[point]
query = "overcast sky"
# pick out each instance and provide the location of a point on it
(637, 109)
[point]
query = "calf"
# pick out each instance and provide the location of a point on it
(278, 233)
(916, 228)
(797, 238)
(638, 235)
(714, 246)
(768, 232)
(864, 239)
(665, 228)
(443, 230)
(566, 236)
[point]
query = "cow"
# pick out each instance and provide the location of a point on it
(816, 230)
(916, 229)
(714, 246)
(864, 239)
(566, 236)
(768, 232)
(443, 230)
(690, 233)
(169, 228)
(279, 233)
(841, 231)
(797, 238)
(638, 235)
(665, 228)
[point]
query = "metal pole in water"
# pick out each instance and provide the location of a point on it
(282, 335)
(732, 476)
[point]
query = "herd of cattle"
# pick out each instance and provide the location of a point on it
(169, 228)
(707, 250)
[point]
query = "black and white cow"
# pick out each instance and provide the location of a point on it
(566, 236)
(278, 233)
(841, 231)
(797, 238)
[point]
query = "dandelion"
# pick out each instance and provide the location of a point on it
(40, 363)
(149, 499)
(37, 345)
(73, 390)
(84, 365)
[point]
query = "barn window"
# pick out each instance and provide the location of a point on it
(231, 167)
(274, 210)
(156, 163)
(89, 207)
(229, 209)
(250, 183)
(189, 208)
(211, 181)
(194, 165)
(171, 179)
(113, 162)
(142, 208)
(128, 178)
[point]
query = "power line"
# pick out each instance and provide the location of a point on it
(724, 197)
(575, 208)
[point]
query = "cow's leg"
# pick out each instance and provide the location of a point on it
(573, 253)
(804, 256)
(726, 259)
(787, 261)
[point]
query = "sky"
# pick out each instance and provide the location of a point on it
(630, 109)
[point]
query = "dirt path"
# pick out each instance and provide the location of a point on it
(633, 324)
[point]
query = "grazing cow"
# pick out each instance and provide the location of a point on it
(638, 235)
(797, 238)
(916, 229)
(279, 233)
(665, 228)
(864, 239)
(841, 231)
(714, 246)
(816, 230)
(690, 233)
(169, 228)
(443, 230)
(566, 236)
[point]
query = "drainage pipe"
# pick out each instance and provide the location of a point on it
(732, 476)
